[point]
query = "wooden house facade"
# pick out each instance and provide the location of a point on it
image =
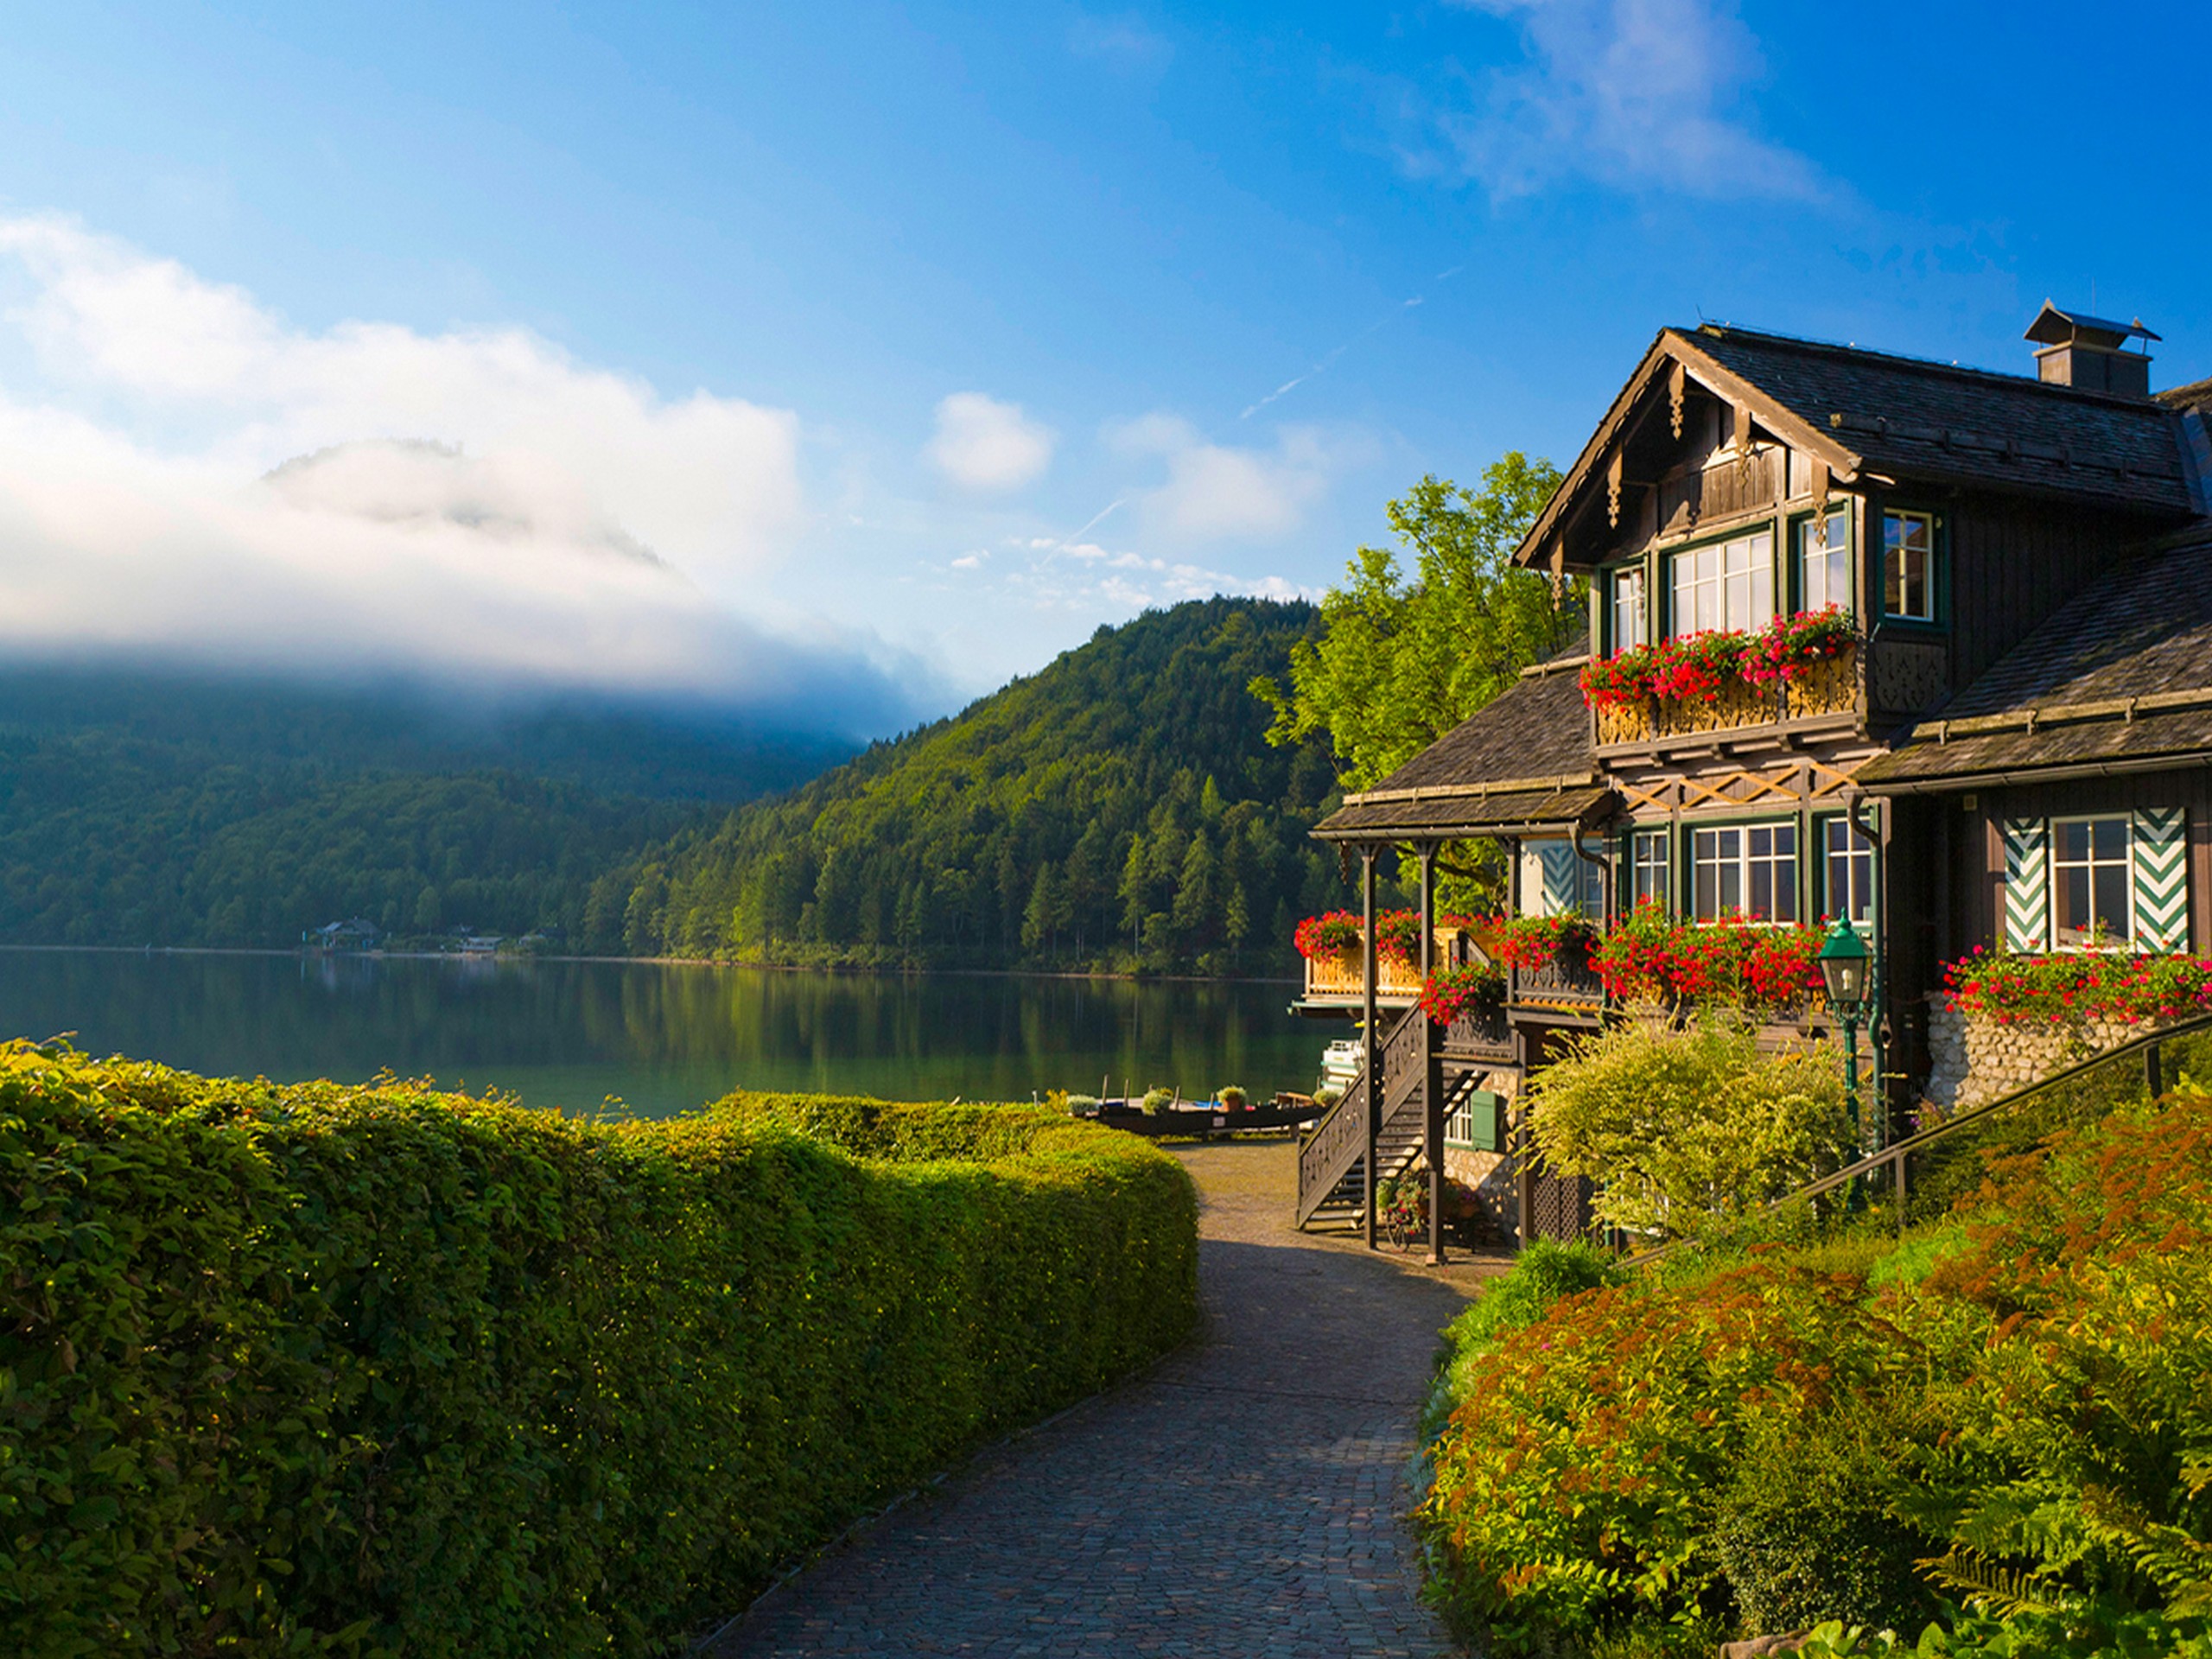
(2013, 746)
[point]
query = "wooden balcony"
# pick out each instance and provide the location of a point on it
(1337, 981)
(1831, 687)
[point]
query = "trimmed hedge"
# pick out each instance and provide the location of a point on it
(383, 1370)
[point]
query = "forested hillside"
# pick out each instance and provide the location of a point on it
(1121, 809)
(175, 811)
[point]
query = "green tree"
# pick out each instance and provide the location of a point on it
(1403, 660)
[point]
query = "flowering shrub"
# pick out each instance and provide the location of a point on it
(1791, 646)
(1533, 942)
(1329, 935)
(1458, 990)
(1699, 667)
(2083, 985)
(1611, 682)
(1397, 934)
(1654, 957)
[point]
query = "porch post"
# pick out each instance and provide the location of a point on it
(1371, 1078)
(1431, 1063)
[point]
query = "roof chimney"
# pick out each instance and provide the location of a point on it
(2085, 352)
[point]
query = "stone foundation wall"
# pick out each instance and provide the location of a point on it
(1976, 1060)
(1491, 1173)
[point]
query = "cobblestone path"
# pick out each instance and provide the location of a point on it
(1243, 1498)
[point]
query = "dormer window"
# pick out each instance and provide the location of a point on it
(1909, 566)
(1724, 585)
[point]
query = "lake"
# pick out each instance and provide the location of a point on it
(660, 1038)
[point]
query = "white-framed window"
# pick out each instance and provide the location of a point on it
(1747, 869)
(1630, 628)
(2091, 881)
(1824, 561)
(1849, 873)
(1651, 868)
(1909, 566)
(1724, 585)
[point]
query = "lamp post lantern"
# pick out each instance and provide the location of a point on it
(1846, 963)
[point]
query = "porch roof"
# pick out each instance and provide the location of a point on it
(1523, 761)
(2119, 679)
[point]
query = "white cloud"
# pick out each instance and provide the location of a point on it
(988, 447)
(1221, 492)
(186, 473)
(1630, 93)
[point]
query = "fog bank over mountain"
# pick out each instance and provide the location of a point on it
(185, 479)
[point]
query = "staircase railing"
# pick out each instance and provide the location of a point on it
(1893, 1161)
(1339, 1141)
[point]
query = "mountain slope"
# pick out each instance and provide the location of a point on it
(179, 810)
(1118, 809)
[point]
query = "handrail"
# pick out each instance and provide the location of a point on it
(1898, 1151)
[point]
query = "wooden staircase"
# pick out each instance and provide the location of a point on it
(1332, 1160)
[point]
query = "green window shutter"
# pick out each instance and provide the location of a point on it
(2027, 884)
(2160, 850)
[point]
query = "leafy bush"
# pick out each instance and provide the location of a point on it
(1542, 1274)
(1158, 1099)
(1575, 1489)
(383, 1370)
(2026, 1387)
(1805, 1534)
(1688, 1129)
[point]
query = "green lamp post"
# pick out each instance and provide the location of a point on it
(1846, 966)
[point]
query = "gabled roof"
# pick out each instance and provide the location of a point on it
(2120, 679)
(1522, 760)
(1861, 412)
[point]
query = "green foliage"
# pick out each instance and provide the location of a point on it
(1402, 660)
(1688, 1128)
(1542, 1274)
(2019, 1401)
(1806, 1532)
(139, 809)
(380, 1370)
(1118, 810)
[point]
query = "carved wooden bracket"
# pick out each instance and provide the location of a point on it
(1613, 491)
(1677, 386)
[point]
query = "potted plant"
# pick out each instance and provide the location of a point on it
(1231, 1096)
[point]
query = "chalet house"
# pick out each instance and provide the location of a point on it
(2012, 746)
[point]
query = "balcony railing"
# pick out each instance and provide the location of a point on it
(1337, 979)
(1827, 688)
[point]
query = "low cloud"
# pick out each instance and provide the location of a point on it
(1216, 491)
(983, 445)
(183, 475)
(1635, 93)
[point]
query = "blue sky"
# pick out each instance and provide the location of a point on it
(894, 349)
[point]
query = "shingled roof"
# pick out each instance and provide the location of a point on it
(1909, 417)
(1860, 412)
(1523, 760)
(2120, 678)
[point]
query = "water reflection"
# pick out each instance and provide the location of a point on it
(661, 1037)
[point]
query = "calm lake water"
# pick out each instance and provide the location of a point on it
(659, 1038)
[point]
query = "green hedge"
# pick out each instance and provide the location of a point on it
(385, 1370)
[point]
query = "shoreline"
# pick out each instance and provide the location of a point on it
(305, 955)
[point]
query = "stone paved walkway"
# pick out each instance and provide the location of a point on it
(1243, 1498)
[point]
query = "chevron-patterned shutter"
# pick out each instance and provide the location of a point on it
(2027, 883)
(2161, 860)
(1562, 895)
